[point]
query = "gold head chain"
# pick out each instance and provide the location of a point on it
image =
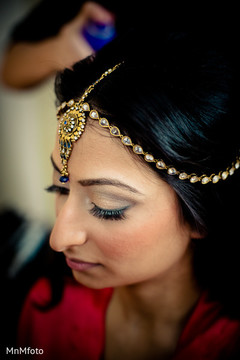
(72, 117)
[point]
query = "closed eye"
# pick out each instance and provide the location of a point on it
(109, 214)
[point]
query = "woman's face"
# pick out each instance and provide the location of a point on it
(117, 223)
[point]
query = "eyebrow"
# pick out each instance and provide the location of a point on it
(101, 181)
(112, 182)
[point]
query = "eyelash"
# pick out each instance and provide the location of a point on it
(57, 190)
(107, 214)
(103, 214)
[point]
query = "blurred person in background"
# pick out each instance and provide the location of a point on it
(43, 43)
(40, 46)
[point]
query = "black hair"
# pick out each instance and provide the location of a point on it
(175, 94)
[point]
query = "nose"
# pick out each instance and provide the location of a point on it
(68, 230)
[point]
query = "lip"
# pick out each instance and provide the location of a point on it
(79, 265)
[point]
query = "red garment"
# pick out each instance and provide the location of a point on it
(75, 328)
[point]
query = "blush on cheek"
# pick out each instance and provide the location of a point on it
(155, 234)
(118, 247)
(128, 244)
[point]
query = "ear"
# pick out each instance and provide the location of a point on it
(198, 233)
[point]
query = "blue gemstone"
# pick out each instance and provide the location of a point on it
(63, 179)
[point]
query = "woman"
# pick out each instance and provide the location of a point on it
(146, 178)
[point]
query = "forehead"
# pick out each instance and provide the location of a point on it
(99, 155)
(97, 152)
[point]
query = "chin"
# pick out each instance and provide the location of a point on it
(90, 281)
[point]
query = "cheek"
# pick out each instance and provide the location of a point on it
(159, 235)
(123, 244)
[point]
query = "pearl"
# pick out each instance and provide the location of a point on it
(126, 140)
(194, 179)
(224, 175)
(205, 180)
(231, 171)
(115, 131)
(149, 158)
(137, 149)
(161, 164)
(172, 171)
(183, 176)
(86, 107)
(104, 122)
(70, 102)
(94, 114)
(215, 179)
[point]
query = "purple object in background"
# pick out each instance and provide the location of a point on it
(98, 34)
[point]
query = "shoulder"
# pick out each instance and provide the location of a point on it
(209, 332)
(41, 294)
(80, 312)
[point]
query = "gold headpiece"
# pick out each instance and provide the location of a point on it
(72, 124)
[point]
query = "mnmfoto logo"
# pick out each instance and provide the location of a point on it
(25, 351)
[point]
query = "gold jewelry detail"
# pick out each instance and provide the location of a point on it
(72, 125)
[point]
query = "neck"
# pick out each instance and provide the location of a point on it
(167, 299)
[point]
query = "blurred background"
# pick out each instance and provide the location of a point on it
(27, 131)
